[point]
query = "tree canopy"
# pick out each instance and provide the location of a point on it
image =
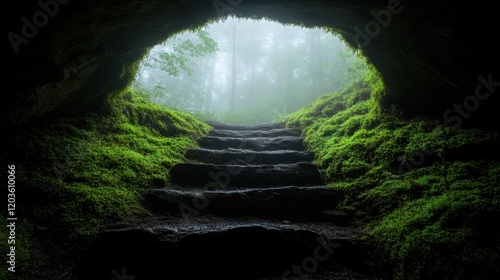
(247, 71)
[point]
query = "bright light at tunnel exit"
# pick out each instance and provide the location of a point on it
(247, 71)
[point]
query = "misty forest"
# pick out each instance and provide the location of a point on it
(247, 71)
(162, 140)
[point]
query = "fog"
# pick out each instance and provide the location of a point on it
(247, 71)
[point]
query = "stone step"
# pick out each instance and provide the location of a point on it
(246, 157)
(254, 133)
(254, 143)
(288, 202)
(211, 247)
(265, 126)
(245, 176)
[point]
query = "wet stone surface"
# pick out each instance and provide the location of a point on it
(246, 176)
(249, 205)
(248, 157)
(213, 247)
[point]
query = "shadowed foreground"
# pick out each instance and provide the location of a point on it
(252, 217)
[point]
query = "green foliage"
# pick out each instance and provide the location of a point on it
(175, 60)
(172, 62)
(446, 225)
(428, 204)
(130, 108)
(277, 70)
(78, 174)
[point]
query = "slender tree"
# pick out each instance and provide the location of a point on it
(267, 71)
(233, 68)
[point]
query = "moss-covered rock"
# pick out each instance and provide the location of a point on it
(76, 174)
(426, 193)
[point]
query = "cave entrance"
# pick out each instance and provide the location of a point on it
(247, 71)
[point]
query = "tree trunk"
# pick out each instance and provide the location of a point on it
(210, 89)
(233, 84)
(254, 59)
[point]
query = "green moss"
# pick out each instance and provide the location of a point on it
(445, 230)
(427, 198)
(78, 174)
(98, 165)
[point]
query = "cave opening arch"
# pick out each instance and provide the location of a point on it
(85, 51)
(247, 71)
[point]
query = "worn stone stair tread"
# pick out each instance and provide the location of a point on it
(246, 157)
(281, 202)
(218, 247)
(265, 126)
(253, 143)
(254, 133)
(215, 223)
(200, 175)
(249, 196)
(335, 216)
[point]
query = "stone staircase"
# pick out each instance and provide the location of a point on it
(258, 171)
(249, 204)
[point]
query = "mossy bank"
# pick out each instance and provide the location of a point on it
(74, 175)
(426, 192)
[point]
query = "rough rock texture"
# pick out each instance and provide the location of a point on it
(254, 143)
(257, 224)
(222, 248)
(258, 133)
(238, 128)
(243, 157)
(248, 176)
(429, 53)
(291, 202)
